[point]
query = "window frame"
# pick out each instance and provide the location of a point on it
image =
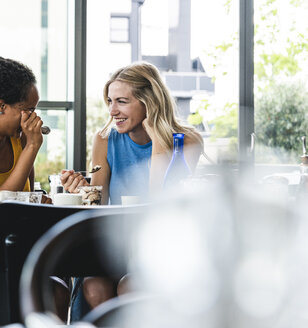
(246, 84)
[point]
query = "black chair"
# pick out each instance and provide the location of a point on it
(128, 310)
(21, 225)
(88, 243)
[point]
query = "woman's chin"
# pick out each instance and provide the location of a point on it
(120, 130)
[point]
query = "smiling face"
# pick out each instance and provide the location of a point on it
(12, 113)
(127, 111)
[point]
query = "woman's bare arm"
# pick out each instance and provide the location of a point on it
(31, 127)
(99, 157)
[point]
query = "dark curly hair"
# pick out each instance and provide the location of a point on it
(15, 81)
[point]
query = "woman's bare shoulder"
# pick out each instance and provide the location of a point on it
(100, 139)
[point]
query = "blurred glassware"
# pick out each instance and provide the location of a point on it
(35, 197)
(38, 188)
(7, 195)
(54, 181)
(21, 196)
(302, 190)
(130, 200)
(276, 184)
(31, 197)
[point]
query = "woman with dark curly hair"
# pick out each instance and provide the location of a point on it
(20, 127)
(21, 139)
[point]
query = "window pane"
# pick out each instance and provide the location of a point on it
(51, 158)
(36, 33)
(198, 57)
(119, 29)
(154, 31)
(281, 76)
(103, 58)
(216, 44)
(202, 73)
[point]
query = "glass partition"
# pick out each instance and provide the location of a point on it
(196, 54)
(52, 155)
(36, 32)
(215, 48)
(39, 33)
(281, 76)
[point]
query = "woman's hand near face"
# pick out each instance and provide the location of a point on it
(149, 130)
(71, 180)
(31, 127)
(159, 160)
(157, 148)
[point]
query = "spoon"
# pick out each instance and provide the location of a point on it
(45, 130)
(95, 169)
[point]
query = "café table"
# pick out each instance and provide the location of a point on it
(21, 225)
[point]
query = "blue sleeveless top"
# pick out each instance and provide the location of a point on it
(129, 165)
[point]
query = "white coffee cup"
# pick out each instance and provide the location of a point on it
(130, 200)
(67, 199)
(7, 195)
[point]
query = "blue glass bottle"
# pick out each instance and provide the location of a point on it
(178, 168)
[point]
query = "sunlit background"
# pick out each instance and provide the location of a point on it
(204, 81)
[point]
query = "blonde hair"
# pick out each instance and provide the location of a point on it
(149, 88)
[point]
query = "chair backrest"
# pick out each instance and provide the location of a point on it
(21, 225)
(86, 243)
(127, 310)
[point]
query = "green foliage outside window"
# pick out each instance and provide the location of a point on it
(281, 108)
(45, 167)
(225, 125)
(281, 118)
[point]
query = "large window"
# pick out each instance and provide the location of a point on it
(201, 68)
(39, 33)
(196, 54)
(281, 80)
(36, 32)
(215, 41)
(196, 45)
(51, 157)
(103, 57)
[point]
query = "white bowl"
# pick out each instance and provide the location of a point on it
(67, 199)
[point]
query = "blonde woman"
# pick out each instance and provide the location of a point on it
(134, 148)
